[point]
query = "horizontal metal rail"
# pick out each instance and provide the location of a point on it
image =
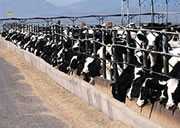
(119, 45)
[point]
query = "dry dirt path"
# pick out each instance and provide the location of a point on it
(30, 99)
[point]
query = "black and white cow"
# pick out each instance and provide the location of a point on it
(173, 87)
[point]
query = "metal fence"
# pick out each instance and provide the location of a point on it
(56, 32)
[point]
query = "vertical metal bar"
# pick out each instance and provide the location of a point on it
(79, 37)
(167, 11)
(128, 39)
(29, 28)
(152, 11)
(165, 50)
(34, 28)
(61, 32)
(140, 11)
(37, 28)
(145, 63)
(122, 11)
(86, 42)
(46, 29)
(128, 17)
(94, 44)
(115, 71)
(55, 31)
(52, 33)
(58, 30)
(144, 57)
(104, 55)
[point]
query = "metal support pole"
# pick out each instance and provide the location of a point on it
(57, 32)
(31, 28)
(128, 18)
(52, 33)
(165, 50)
(34, 28)
(104, 55)
(167, 11)
(46, 29)
(86, 42)
(61, 32)
(145, 62)
(79, 37)
(140, 11)
(115, 71)
(152, 11)
(38, 28)
(122, 11)
(128, 39)
(94, 44)
(58, 27)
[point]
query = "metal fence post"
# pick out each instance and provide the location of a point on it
(145, 63)
(79, 39)
(38, 28)
(115, 71)
(61, 33)
(104, 54)
(55, 33)
(29, 28)
(35, 28)
(128, 39)
(58, 31)
(86, 42)
(94, 44)
(46, 27)
(52, 33)
(165, 50)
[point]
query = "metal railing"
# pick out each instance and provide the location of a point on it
(56, 32)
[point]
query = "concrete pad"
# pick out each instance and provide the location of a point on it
(83, 93)
(104, 105)
(61, 79)
(35, 61)
(50, 71)
(76, 87)
(27, 57)
(42, 66)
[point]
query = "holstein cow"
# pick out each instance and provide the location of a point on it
(150, 91)
(161, 88)
(140, 85)
(124, 80)
(173, 87)
(91, 69)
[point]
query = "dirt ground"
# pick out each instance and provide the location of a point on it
(30, 99)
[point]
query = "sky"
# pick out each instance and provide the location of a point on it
(63, 2)
(32, 8)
